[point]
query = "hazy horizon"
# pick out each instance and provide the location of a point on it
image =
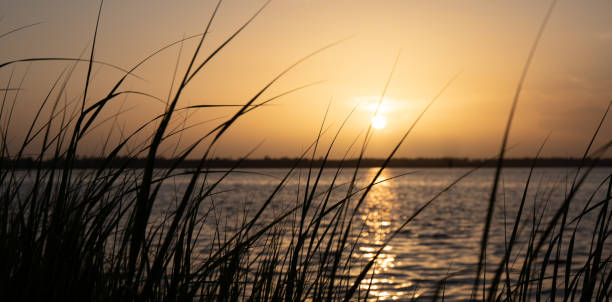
(565, 93)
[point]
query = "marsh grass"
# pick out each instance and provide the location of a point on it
(96, 234)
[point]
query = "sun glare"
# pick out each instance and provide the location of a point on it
(379, 122)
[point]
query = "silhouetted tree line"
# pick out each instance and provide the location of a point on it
(285, 162)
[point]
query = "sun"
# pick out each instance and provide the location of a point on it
(379, 122)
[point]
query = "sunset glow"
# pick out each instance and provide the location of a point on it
(566, 90)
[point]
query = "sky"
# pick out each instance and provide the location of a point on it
(485, 43)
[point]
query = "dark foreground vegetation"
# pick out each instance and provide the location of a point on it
(68, 235)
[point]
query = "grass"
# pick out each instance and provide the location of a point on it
(71, 234)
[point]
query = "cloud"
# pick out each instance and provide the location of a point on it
(604, 36)
(389, 104)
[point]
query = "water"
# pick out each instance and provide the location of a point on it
(443, 240)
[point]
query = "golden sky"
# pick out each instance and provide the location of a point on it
(566, 90)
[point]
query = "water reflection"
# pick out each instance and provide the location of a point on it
(443, 242)
(377, 214)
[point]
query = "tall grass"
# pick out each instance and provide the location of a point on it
(105, 234)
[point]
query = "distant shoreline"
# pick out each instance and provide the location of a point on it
(264, 163)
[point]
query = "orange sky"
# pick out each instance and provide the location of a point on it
(566, 91)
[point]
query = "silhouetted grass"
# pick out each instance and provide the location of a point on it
(93, 234)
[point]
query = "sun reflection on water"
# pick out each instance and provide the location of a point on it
(377, 216)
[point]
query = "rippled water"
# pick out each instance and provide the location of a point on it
(443, 241)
